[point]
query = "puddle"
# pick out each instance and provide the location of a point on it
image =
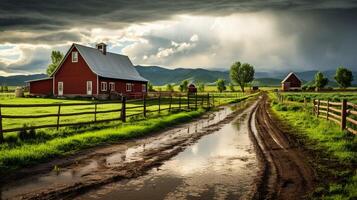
(221, 164)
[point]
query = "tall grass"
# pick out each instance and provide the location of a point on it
(335, 151)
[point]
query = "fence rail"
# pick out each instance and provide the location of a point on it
(342, 113)
(187, 102)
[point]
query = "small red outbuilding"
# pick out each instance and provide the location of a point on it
(291, 82)
(91, 72)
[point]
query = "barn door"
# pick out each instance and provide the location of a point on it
(60, 88)
(89, 87)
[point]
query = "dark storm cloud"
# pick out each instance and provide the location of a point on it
(31, 14)
(326, 39)
(325, 30)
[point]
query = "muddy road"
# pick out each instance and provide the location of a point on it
(287, 173)
(237, 152)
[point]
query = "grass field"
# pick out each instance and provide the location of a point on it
(332, 96)
(333, 149)
(152, 105)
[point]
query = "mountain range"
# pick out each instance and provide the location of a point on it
(161, 76)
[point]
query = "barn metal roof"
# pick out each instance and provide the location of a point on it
(290, 74)
(109, 65)
(40, 79)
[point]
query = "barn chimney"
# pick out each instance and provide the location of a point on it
(102, 47)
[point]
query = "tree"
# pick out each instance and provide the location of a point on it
(242, 74)
(343, 77)
(56, 57)
(169, 88)
(231, 87)
(183, 86)
(150, 87)
(201, 87)
(221, 85)
(320, 80)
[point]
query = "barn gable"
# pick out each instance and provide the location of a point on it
(291, 81)
(108, 65)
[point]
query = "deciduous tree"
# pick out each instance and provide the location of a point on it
(320, 80)
(343, 77)
(221, 85)
(242, 74)
(56, 58)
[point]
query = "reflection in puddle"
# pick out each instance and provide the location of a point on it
(221, 165)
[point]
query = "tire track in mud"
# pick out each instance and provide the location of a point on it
(286, 173)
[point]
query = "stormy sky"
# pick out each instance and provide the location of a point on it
(273, 35)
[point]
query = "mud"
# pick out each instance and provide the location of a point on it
(286, 172)
(221, 165)
(91, 169)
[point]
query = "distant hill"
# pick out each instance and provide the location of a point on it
(161, 76)
(19, 80)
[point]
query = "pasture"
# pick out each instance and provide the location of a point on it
(331, 96)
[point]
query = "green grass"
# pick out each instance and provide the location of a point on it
(152, 105)
(20, 154)
(335, 151)
(332, 96)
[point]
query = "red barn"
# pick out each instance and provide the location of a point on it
(291, 82)
(91, 72)
(192, 88)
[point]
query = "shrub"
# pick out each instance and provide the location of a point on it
(25, 134)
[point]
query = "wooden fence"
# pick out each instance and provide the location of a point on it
(343, 113)
(187, 102)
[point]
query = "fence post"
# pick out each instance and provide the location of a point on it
(159, 103)
(343, 114)
(208, 104)
(305, 102)
(188, 101)
(179, 102)
(196, 101)
(123, 109)
(202, 100)
(213, 99)
(327, 109)
(144, 102)
(170, 102)
(318, 107)
(58, 116)
(1, 133)
(95, 112)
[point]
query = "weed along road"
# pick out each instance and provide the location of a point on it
(234, 153)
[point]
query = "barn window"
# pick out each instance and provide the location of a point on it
(103, 86)
(74, 56)
(144, 87)
(112, 86)
(129, 87)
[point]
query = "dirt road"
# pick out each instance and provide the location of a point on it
(286, 173)
(238, 153)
